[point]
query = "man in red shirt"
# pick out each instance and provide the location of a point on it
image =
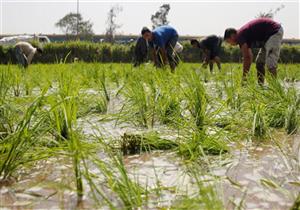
(263, 33)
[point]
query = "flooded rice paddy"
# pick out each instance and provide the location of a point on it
(254, 174)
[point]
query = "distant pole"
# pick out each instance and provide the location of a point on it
(77, 19)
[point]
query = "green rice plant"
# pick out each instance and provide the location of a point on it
(16, 82)
(130, 194)
(63, 113)
(233, 90)
(138, 104)
(199, 144)
(170, 109)
(282, 105)
(6, 110)
(15, 146)
(288, 73)
(259, 128)
(205, 196)
(203, 118)
(292, 119)
(5, 85)
(168, 104)
(296, 204)
(8, 118)
(196, 98)
(134, 144)
(103, 82)
(101, 104)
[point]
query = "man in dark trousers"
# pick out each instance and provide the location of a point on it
(140, 51)
(163, 38)
(211, 47)
(263, 33)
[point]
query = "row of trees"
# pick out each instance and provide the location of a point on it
(73, 23)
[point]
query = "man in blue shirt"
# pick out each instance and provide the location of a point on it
(164, 38)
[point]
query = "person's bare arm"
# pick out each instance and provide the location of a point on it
(153, 55)
(164, 55)
(206, 56)
(30, 57)
(247, 59)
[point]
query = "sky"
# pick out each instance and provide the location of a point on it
(191, 17)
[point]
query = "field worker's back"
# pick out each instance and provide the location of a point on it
(257, 32)
(163, 34)
(27, 49)
(210, 42)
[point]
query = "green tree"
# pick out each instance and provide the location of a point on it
(73, 23)
(160, 17)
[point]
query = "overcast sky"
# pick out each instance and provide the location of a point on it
(188, 17)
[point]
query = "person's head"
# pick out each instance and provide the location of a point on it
(147, 34)
(195, 43)
(230, 36)
(39, 50)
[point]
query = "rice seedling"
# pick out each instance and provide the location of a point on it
(15, 146)
(126, 193)
(202, 113)
(133, 143)
(205, 195)
(64, 113)
(296, 204)
(196, 97)
(138, 104)
(259, 128)
(292, 120)
(281, 104)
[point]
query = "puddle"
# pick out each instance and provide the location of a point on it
(263, 174)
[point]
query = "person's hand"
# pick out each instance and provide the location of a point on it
(204, 65)
(166, 62)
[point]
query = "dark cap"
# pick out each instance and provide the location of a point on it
(145, 30)
(229, 32)
(40, 50)
(194, 41)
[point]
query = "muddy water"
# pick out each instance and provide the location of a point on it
(261, 177)
(255, 176)
(248, 166)
(43, 187)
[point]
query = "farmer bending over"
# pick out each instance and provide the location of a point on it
(140, 51)
(25, 52)
(164, 38)
(262, 33)
(211, 46)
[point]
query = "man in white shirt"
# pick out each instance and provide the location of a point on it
(25, 52)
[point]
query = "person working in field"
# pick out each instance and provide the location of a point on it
(140, 51)
(25, 52)
(263, 33)
(211, 46)
(163, 38)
